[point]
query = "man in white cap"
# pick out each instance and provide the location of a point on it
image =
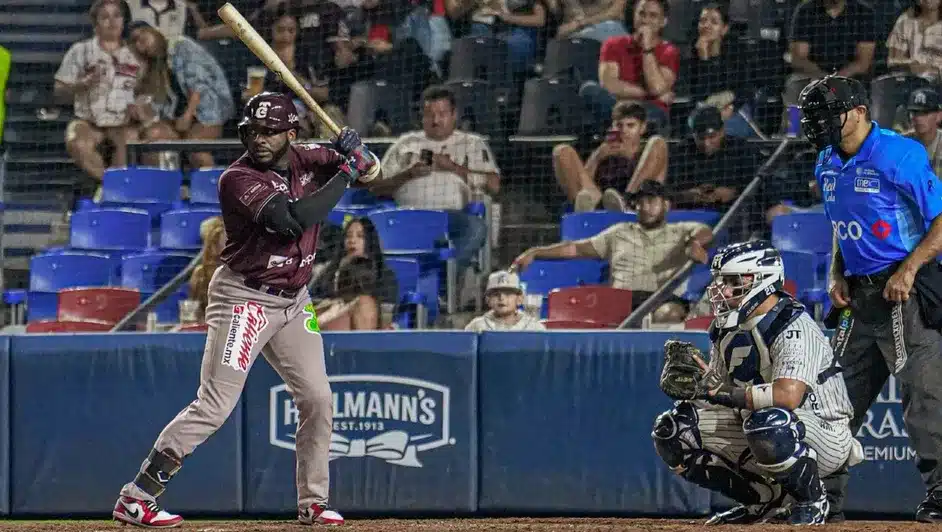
(504, 298)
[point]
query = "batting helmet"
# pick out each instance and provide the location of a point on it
(822, 103)
(271, 110)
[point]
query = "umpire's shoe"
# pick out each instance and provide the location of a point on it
(930, 509)
(810, 512)
(319, 515)
(145, 514)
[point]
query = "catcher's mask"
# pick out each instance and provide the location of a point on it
(270, 111)
(823, 105)
(744, 275)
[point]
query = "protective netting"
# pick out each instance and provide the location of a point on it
(561, 107)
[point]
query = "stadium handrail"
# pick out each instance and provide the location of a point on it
(160, 294)
(660, 295)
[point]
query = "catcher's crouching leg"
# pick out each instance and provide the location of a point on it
(678, 442)
(775, 437)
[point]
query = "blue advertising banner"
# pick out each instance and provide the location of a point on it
(887, 455)
(88, 409)
(405, 426)
(566, 421)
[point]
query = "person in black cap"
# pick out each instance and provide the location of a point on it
(711, 168)
(925, 112)
(642, 255)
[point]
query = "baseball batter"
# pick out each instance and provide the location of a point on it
(273, 200)
(773, 414)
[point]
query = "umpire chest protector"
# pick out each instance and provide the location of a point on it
(745, 349)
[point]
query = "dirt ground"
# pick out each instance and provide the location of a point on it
(459, 525)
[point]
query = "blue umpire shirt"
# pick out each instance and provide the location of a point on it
(881, 202)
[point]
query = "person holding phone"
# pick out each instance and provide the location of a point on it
(619, 165)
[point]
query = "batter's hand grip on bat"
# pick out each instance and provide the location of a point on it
(247, 34)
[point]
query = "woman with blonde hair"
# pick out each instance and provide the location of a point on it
(186, 85)
(213, 234)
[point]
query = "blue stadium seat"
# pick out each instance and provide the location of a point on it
(423, 235)
(544, 275)
(361, 196)
(808, 271)
(151, 189)
(579, 225)
(339, 215)
(204, 185)
(703, 216)
(180, 229)
(50, 272)
(168, 310)
(697, 282)
(803, 231)
(110, 229)
(149, 270)
(408, 274)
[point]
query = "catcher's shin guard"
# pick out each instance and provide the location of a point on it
(775, 436)
(157, 471)
(677, 441)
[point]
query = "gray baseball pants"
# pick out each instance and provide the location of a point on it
(244, 322)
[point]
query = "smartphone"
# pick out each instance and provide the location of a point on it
(426, 156)
(613, 135)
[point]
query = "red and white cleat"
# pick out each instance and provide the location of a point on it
(145, 514)
(320, 515)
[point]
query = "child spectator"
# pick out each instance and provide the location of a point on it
(99, 76)
(915, 44)
(504, 298)
(353, 306)
(181, 74)
(619, 165)
(213, 234)
(360, 239)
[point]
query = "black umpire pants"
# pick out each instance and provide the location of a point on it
(875, 338)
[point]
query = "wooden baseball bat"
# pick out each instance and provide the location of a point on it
(247, 34)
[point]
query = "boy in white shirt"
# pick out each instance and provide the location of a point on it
(504, 297)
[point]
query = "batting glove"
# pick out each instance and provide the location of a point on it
(347, 142)
(359, 166)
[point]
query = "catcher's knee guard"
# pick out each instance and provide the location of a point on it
(776, 438)
(677, 441)
(161, 467)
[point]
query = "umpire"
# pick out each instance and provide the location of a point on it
(884, 203)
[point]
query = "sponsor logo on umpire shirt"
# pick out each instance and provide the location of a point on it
(388, 417)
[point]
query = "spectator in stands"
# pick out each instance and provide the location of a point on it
(354, 305)
(426, 22)
(591, 19)
(99, 76)
(188, 87)
(513, 21)
(640, 67)
(442, 168)
(710, 169)
(624, 160)
(718, 72)
(830, 36)
(504, 298)
(915, 43)
(360, 239)
(925, 112)
(173, 18)
(642, 255)
(213, 234)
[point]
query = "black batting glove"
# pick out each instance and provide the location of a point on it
(347, 142)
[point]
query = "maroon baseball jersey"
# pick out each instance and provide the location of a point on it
(252, 249)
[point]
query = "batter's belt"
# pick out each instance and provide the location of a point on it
(271, 290)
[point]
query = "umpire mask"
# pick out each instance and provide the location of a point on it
(823, 105)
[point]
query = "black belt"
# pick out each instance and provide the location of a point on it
(270, 290)
(878, 278)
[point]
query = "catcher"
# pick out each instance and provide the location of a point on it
(768, 416)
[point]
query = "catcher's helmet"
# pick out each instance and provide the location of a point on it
(271, 110)
(822, 103)
(732, 296)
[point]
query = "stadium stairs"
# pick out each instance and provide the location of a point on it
(40, 177)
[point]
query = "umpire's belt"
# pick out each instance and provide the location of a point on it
(270, 290)
(879, 278)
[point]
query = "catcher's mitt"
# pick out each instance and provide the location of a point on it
(683, 378)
